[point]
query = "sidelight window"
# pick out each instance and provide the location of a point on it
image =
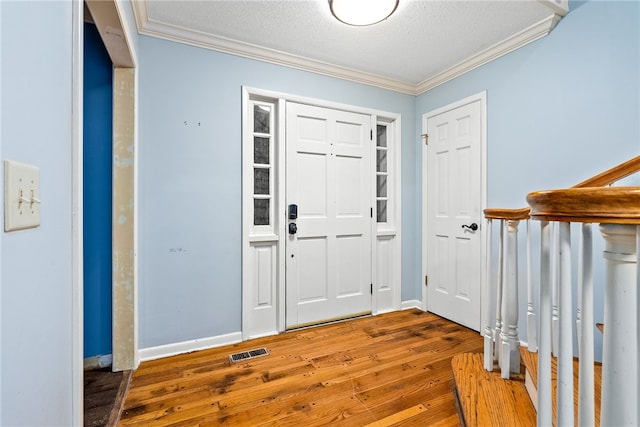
(263, 150)
(382, 173)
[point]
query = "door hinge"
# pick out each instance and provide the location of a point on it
(425, 136)
(426, 280)
(371, 213)
(371, 134)
(372, 289)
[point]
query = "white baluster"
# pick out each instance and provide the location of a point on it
(498, 326)
(544, 344)
(554, 288)
(509, 334)
(565, 336)
(586, 405)
(620, 346)
(488, 336)
(532, 333)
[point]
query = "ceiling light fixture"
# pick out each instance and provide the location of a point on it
(362, 12)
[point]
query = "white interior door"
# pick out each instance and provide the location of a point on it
(329, 179)
(454, 189)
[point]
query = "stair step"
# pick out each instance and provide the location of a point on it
(485, 399)
(530, 361)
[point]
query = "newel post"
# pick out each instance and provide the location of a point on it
(620, 359)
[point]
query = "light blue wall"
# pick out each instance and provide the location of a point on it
(571, 95)
(36, 265)
(560, 109)
(190, 182)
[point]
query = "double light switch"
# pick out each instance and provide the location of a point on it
(21, 196)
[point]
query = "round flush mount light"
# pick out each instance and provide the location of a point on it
(362, 12)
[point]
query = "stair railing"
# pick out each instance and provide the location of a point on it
(549, 329)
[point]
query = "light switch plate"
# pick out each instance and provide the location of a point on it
(21, 196)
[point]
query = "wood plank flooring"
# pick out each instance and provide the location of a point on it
(104, 394)
(392, 369)
(488, 400)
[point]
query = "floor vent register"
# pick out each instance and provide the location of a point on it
(246, 355)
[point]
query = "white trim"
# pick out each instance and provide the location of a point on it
(157, 352)
(373, 224)
(3, 223)
(263, 93)
(281, 321)
(508, 45)
(561, 7)
(150, 27)
(412, 303)
(280, 99)
(482, 97)
(263, 238)
(125, 30)
(77, 237)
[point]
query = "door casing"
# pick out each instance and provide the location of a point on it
(278, 238)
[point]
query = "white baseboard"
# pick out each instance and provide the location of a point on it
(97, 362)
(167, 350)
(412, 303)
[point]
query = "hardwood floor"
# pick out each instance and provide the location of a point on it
(392, 369)
(104, 394)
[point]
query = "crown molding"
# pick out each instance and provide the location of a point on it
(510, 44)
(154, 28)
(150, 27)
(560, 7)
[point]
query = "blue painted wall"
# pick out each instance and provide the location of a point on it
(190, 182)
(98, 106)
(559, 110)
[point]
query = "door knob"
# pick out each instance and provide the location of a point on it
(472, 227)
(293, 228)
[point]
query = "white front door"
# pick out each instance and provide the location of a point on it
(329, 180)
(453, 209)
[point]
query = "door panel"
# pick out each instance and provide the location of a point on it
(329, 177)
(454, 199)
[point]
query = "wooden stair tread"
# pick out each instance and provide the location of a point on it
(486, 399)
(530, 361)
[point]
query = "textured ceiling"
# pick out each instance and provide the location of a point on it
(421, 39)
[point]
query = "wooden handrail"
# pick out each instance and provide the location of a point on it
(603, 179)
(508, 214)
(612, 175)
(604, 205)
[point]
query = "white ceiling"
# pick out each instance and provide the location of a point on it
(424, 43)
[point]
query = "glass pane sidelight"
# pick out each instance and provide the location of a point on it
(382, 173)
(262, 160)
(261, 181)
(261, 150)
(261, 118)
(261, 211)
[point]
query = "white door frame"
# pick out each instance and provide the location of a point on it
(272, 315)
(482, 97)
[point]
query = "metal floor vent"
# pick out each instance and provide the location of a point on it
(245, 355)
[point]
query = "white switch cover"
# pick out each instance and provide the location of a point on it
(21, 196)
